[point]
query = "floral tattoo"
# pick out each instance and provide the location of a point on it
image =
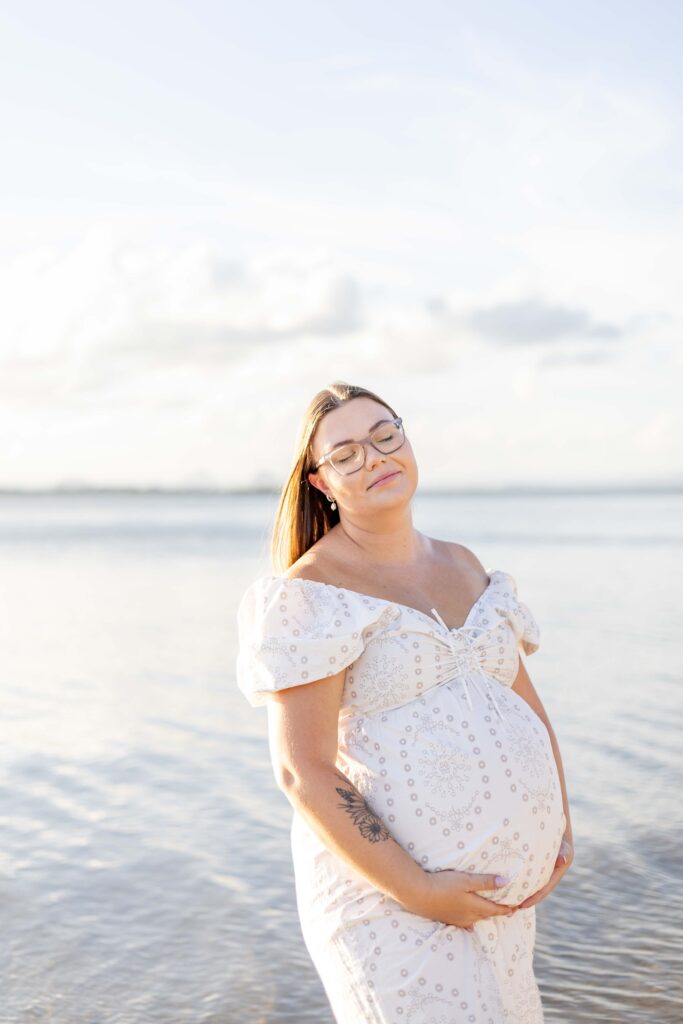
(371, 827)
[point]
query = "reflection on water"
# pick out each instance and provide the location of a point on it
(145, 871)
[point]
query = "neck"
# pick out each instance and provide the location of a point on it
(389, 539)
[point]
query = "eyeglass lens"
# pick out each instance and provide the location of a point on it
(350, 457)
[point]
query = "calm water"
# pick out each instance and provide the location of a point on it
(145, 868)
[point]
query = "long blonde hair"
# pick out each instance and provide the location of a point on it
(304, 514)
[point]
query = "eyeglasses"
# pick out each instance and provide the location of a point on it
(348, 458)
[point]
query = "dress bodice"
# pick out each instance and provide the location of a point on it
(294, 631)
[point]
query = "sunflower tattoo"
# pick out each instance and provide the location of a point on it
(370, 825)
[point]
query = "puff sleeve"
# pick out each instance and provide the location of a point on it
(294, 631)
(522, 620)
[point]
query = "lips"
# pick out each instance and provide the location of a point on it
(383, 477)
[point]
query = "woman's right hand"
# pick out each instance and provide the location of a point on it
(450, 896)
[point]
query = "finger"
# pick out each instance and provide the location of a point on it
(532, 901)
(501, 910)
(487, 882)
(480, 904)
(564, 853)
(484, 907)
(536, 897)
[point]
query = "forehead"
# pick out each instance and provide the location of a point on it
(351, 421)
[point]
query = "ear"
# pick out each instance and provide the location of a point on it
(316, 480)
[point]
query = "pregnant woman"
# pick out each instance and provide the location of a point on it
(430, 807)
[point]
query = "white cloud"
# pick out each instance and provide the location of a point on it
(83, 318)
(491, 238)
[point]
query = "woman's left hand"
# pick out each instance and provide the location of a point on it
(565, 856)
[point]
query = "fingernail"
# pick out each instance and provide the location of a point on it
(501, 880)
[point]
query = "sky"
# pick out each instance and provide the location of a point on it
(210, 211)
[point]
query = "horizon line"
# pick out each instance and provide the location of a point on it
(632, 487)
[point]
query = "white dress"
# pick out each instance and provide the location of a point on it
(458, 767)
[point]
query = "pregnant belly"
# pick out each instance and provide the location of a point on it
(464, 789)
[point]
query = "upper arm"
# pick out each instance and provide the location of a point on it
(525, 688)
(302, 720)
(302, 727)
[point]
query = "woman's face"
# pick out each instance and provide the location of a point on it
(361, 491)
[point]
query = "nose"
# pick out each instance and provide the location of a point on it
(372, 456)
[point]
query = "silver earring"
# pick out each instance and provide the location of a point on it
(330, 498)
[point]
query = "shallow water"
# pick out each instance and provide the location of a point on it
(145, 870)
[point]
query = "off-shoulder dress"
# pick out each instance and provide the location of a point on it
(456, 764)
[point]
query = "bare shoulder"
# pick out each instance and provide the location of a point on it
(304, 569)
(315, 564)
(463, 556)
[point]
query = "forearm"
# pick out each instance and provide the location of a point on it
(340, 816)
(560, 771)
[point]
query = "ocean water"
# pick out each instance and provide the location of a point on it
(145, 871)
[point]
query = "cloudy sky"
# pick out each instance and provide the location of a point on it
(211, 210)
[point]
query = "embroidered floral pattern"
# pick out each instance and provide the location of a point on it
(441, 755)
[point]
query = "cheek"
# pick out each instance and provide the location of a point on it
(408, 462)
(406, 453)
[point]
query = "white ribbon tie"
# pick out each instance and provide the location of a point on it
(468, 661)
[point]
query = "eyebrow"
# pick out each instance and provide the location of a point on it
(351, 440)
